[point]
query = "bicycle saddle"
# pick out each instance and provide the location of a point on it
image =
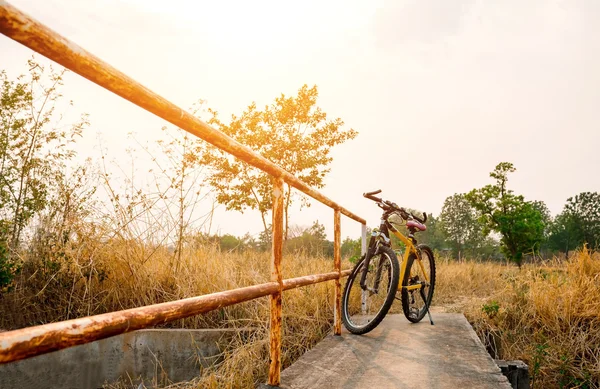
(416, 224)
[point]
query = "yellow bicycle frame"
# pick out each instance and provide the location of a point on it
(410, 248)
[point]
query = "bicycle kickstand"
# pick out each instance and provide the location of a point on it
(422, 292)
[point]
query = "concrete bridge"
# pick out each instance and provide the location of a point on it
(398, 354)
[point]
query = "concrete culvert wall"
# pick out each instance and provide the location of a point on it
(153, 357)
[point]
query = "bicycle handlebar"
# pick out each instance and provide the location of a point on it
(370, 196)
(372, 193)
(389, 204)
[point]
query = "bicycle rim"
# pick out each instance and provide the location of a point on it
(363, 310)
(418, 270)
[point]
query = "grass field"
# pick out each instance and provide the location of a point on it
(547, 315)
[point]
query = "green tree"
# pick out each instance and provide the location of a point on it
(542, 208)
(311, 241)
(265, 239)
(584, 210)
(230, 243)
(34, 147)
(351, 248)
(518, 222)
(577, 224)
(435, 237)
(293, 133)
(459, 221)
(564, 234)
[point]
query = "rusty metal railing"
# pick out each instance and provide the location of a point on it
(31, 341)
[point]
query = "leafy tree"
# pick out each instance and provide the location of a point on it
(459, 221)
(34, 147)
(229, 243)
(225, 243)
(293, 133)
(577, 224)
(541, 207)
(435, 237)
(350, 248)
(564, 233)
(312, 241)
(265, 239)
(518, 222)
(584, 210)
(489, 249)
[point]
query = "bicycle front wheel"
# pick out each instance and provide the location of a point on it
(419, 271)
(363, 310)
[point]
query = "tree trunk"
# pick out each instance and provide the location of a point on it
(264, 221)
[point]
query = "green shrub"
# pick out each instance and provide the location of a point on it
(491, 309)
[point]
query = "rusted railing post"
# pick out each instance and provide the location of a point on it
(277, 246)
(337, 263)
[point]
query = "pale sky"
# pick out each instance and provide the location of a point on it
(439, 91)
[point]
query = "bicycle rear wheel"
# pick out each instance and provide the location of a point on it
(363, 310)
(418, 271)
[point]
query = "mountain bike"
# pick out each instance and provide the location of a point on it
(373, 284)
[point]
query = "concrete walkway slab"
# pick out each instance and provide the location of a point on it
(398, 354)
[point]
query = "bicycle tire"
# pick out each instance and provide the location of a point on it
(352, 290)
(412, 311)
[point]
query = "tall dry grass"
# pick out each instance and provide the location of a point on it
(547, 315)
(94, 276)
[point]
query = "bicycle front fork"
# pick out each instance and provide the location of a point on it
(363, 277)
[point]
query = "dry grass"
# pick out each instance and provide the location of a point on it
(546, 315)
(92, 278)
